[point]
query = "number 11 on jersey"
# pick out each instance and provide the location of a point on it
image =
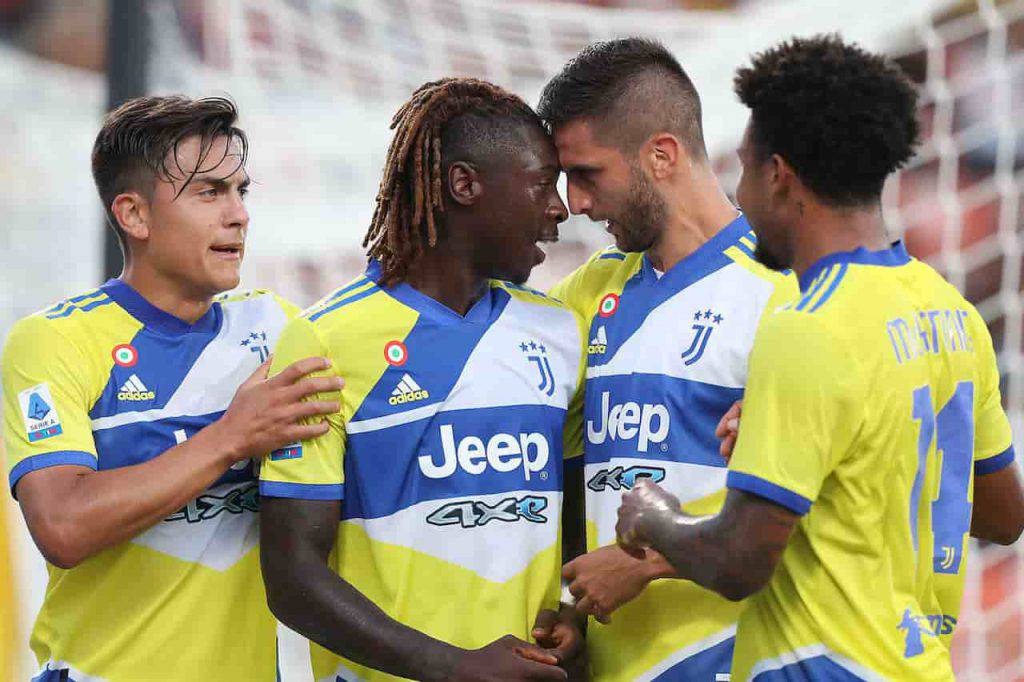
(953, 431)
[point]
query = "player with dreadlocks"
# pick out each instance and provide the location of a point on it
(420, 536)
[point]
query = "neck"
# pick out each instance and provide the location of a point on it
(824, 231)
(447, 279)
(166, 294)
(697, 210)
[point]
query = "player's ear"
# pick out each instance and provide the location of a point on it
(464, 184)
(663, 152)
(780, 174)
(132, 213)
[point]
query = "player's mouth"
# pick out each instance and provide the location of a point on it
(230, 252)
(546, 237)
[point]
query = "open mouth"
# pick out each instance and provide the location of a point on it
(545, 238)
(230, 251)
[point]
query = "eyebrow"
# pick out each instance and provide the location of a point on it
(579, 168)
(221, 183)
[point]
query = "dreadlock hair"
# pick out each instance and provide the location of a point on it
(448, 120)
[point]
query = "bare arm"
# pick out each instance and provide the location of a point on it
(733, 553)
(998, 513)
(296, 539)
(74, 512)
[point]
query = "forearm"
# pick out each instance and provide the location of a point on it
(100, 509)
(696, 549)
(309, 597)
(733, 553)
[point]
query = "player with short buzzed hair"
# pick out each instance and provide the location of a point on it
(671, 312)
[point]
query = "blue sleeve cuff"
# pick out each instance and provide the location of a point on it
(991, 465)
(303, 491)
(794, 502)
(49, 459)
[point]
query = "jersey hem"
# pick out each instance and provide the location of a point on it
(794, 502)
(303, 491)
(991, 465)
(49, 459)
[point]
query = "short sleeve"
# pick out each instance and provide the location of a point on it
(46, 405)
(993, 449)
(312, 469)
(802, 406)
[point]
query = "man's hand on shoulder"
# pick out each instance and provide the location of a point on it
(267, 414)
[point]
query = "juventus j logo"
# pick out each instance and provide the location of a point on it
(710, 320)
(537, 354)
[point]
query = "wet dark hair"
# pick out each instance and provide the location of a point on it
(139, 140)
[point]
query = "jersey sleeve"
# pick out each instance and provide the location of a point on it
(993, 449)
(802, 406)
(46, 404)
(312, 469)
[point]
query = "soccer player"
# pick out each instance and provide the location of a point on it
(133, 414)
(419, 537)
(872, 410)
(671, 313)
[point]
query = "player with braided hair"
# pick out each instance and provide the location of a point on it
(444, 465)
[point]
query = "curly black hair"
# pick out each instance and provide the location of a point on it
(844, 118)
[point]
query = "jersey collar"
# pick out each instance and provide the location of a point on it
(153, 318)
(479, 312)
(702, 262)
(894, 256)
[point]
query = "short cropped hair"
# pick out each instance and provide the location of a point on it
(633, 88)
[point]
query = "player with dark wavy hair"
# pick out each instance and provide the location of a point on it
(872, 438)
(418, 538)
(136, 415)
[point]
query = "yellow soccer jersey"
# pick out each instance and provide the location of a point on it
(106, 380)
(447, 456)
(864, 392)
(667, 356)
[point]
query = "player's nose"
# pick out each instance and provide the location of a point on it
(579, 200)
(556, 209)
(235, 212)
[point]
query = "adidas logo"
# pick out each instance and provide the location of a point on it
(135, 390)
(598, 344)
(407, 391)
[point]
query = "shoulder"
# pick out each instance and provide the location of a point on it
(780, 286)
(358, 300)
(77, 318)
(605, 271)
(605, 266)
(527, 295)
(257, 298)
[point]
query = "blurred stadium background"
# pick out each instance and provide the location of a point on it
(318, 80)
